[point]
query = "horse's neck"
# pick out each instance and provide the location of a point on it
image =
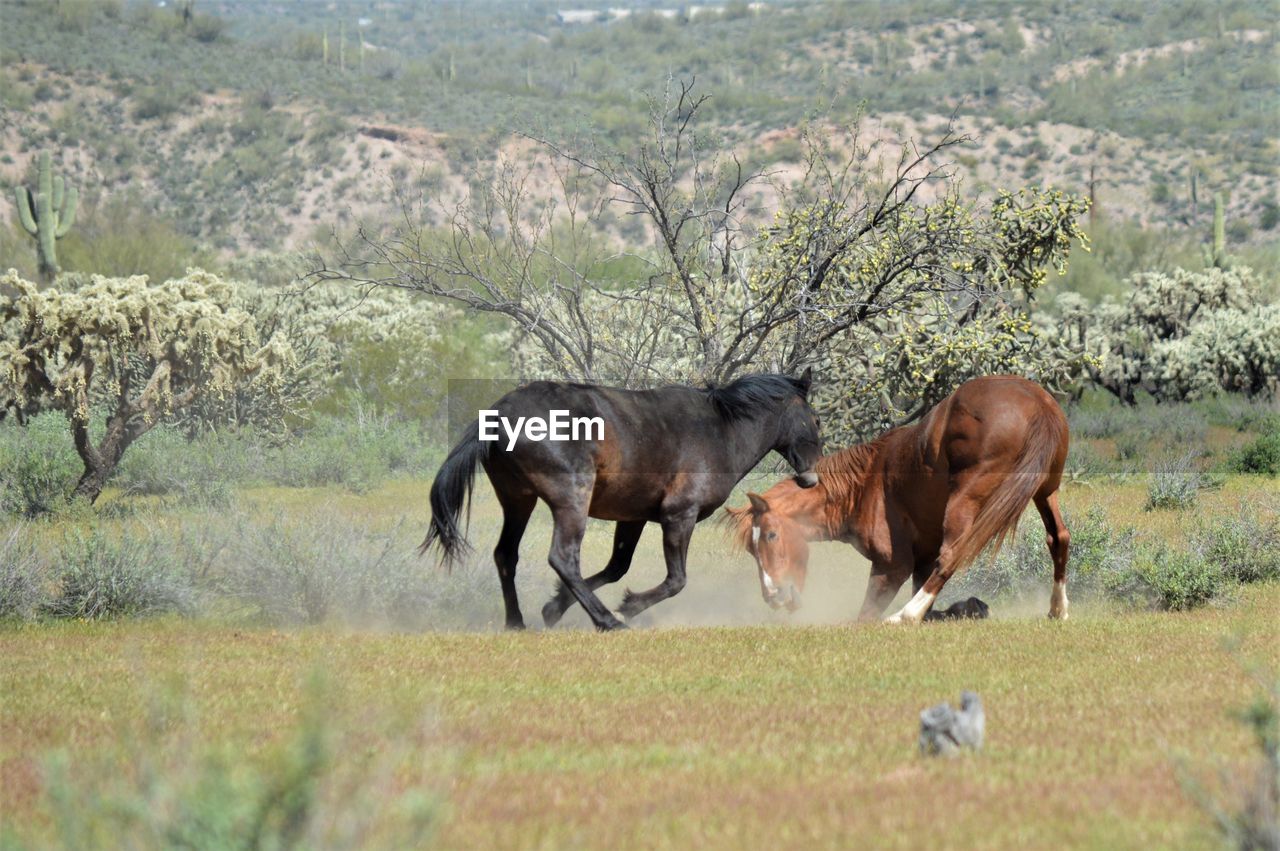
(750, 440)
(812, 508)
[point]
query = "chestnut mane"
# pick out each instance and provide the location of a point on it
(840, 478)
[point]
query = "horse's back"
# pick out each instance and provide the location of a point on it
(651, 439)
(993, 394)
(990, 418)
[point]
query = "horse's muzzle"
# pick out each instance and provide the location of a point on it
(787, 597)
(807, 479)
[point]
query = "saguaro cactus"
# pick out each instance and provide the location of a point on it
(1216, 255)
(47, 215)
(1219, 251)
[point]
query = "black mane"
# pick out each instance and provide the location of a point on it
(746, 396)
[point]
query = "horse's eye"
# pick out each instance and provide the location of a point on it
(772, 536)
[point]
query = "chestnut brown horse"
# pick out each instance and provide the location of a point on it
(922, 501)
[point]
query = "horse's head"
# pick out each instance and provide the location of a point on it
(780, 546)
(777, 406)
(799, 440)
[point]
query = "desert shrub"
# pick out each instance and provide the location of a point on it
(21, 574)
(38, 465)
(1136, 428)
(1023, 566)
(123, 236)
(1175, 483)
(1131, 445)
(1244, 805)
(1252, 822)
(385, 352)
(1241, 414)
(1246, 547)
(1167, 579)
(101, 575)
(1178, 424)
(321, 786)
(1085, 464)
(157, 102)
(354, 452)
(1099, 422)
(202, 471)
(207, 28)
(321, 567)
(1261, 456)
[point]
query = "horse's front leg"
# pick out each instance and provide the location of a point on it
(625, 537)
(882, 587)
(566, 547)
(676, 532)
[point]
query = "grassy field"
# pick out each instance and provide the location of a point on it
(729, 726)
(723, 737)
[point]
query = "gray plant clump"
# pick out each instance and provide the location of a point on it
(1175, 483)
(945, 731)
(131, 574)
(21, 574)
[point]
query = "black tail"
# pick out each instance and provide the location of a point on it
(449, 492)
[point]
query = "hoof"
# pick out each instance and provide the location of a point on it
(551, 613)
(516, 626)
(629, 608)
(611, 627)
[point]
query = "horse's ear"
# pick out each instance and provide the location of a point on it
(806, 381)
(758, 504)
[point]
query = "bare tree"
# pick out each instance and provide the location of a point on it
(748, 267)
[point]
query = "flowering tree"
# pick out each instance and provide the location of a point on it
(130, 351)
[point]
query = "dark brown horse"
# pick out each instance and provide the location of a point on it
(922, 501)
(670, 456)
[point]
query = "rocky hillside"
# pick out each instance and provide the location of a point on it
(258, 127)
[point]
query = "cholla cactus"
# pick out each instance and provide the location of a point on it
(1232, 350)
(382, 348)
(141, 351)
(1185, 333)
(48, 214)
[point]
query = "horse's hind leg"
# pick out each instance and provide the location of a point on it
(566, 550)
(1059, 541)
(626, 535)
(676, 532)
(960, 514)
(515, 517)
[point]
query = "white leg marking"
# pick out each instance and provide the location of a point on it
(1058, 603)
(914, 610)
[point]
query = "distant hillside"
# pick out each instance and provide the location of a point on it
(254, 125)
